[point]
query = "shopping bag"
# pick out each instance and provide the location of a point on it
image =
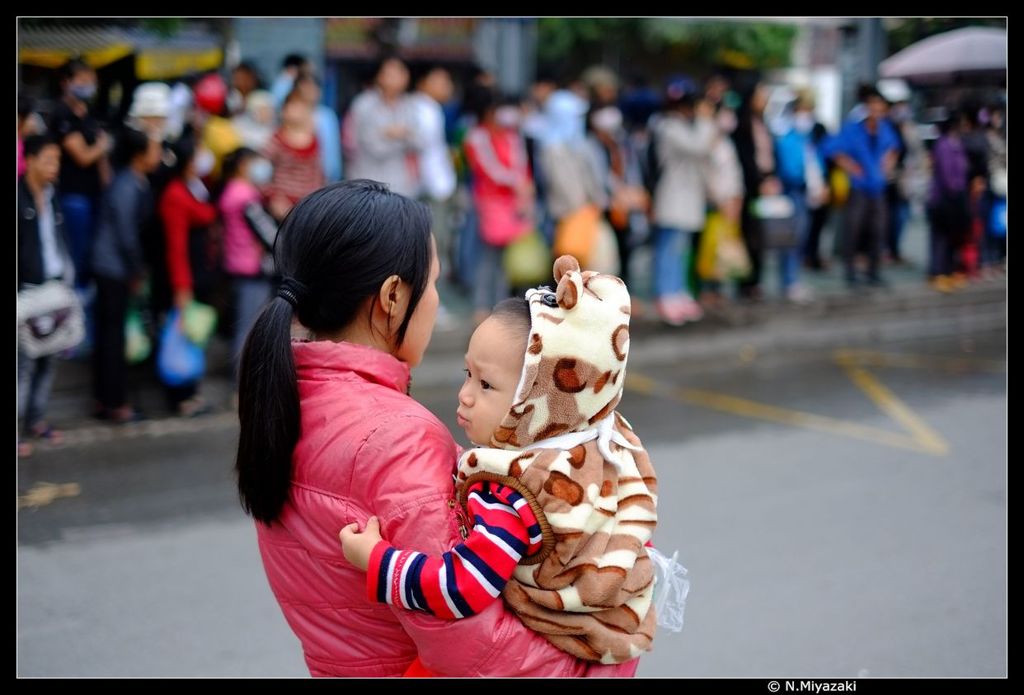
(576, 234)
(179, 361)
(527, 261)
(137, 344)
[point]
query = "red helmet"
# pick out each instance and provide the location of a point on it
(210, 93)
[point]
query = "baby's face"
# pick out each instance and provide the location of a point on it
(494, 363)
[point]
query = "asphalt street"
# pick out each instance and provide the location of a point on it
(841, 513)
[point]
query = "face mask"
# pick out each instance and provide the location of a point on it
(85, 92)
(608, 120)
(803, 122)
(261, 171)
(507, 117)
(204, 163)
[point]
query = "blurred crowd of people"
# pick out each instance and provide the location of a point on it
(180, 203)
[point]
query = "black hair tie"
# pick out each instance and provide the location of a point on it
(292, 291)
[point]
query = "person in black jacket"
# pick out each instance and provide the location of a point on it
(42, 256)
(118, 267)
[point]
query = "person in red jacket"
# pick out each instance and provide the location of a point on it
(329, 436)
(186, 214)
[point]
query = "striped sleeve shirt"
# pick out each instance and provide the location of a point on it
(297, 171)
(464, 580)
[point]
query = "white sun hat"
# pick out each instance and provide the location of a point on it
(151, 99)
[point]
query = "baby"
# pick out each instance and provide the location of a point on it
(560, 495)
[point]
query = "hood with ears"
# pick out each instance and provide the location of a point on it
(575, 357)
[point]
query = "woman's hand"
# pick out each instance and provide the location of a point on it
(525, 200)
(279, 207)
(849, 165)
(182, 298)
(629, 197)
(397, 131)
(357, 546)
(770, 186)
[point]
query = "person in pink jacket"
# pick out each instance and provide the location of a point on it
(329, 436)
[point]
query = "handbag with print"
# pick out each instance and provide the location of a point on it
(50, 319)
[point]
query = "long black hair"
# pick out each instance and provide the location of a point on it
(335, 249)
(234, 160)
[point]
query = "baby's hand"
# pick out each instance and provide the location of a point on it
(358, 546)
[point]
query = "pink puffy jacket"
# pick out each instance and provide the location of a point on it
(368, 448)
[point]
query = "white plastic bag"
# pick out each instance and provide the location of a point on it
(670, 589)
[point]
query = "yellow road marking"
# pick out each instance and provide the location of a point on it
(41, 494)
(797, 418)
(918, 435)
(871, 358)
(898, 410)
(641, 384)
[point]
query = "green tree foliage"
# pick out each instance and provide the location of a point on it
(759, 44)
(168, 26)
(903, 32)
(736, 43)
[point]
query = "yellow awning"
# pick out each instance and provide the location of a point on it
(156, 57)
(156, 64)
(56, 57)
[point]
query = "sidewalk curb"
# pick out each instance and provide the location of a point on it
(741, 332)
(834, 321)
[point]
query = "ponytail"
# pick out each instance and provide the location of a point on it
(268, 410)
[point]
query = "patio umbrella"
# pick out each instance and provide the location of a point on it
(972, 52)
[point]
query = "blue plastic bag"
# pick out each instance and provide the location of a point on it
(179, 361)
(997, 221)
